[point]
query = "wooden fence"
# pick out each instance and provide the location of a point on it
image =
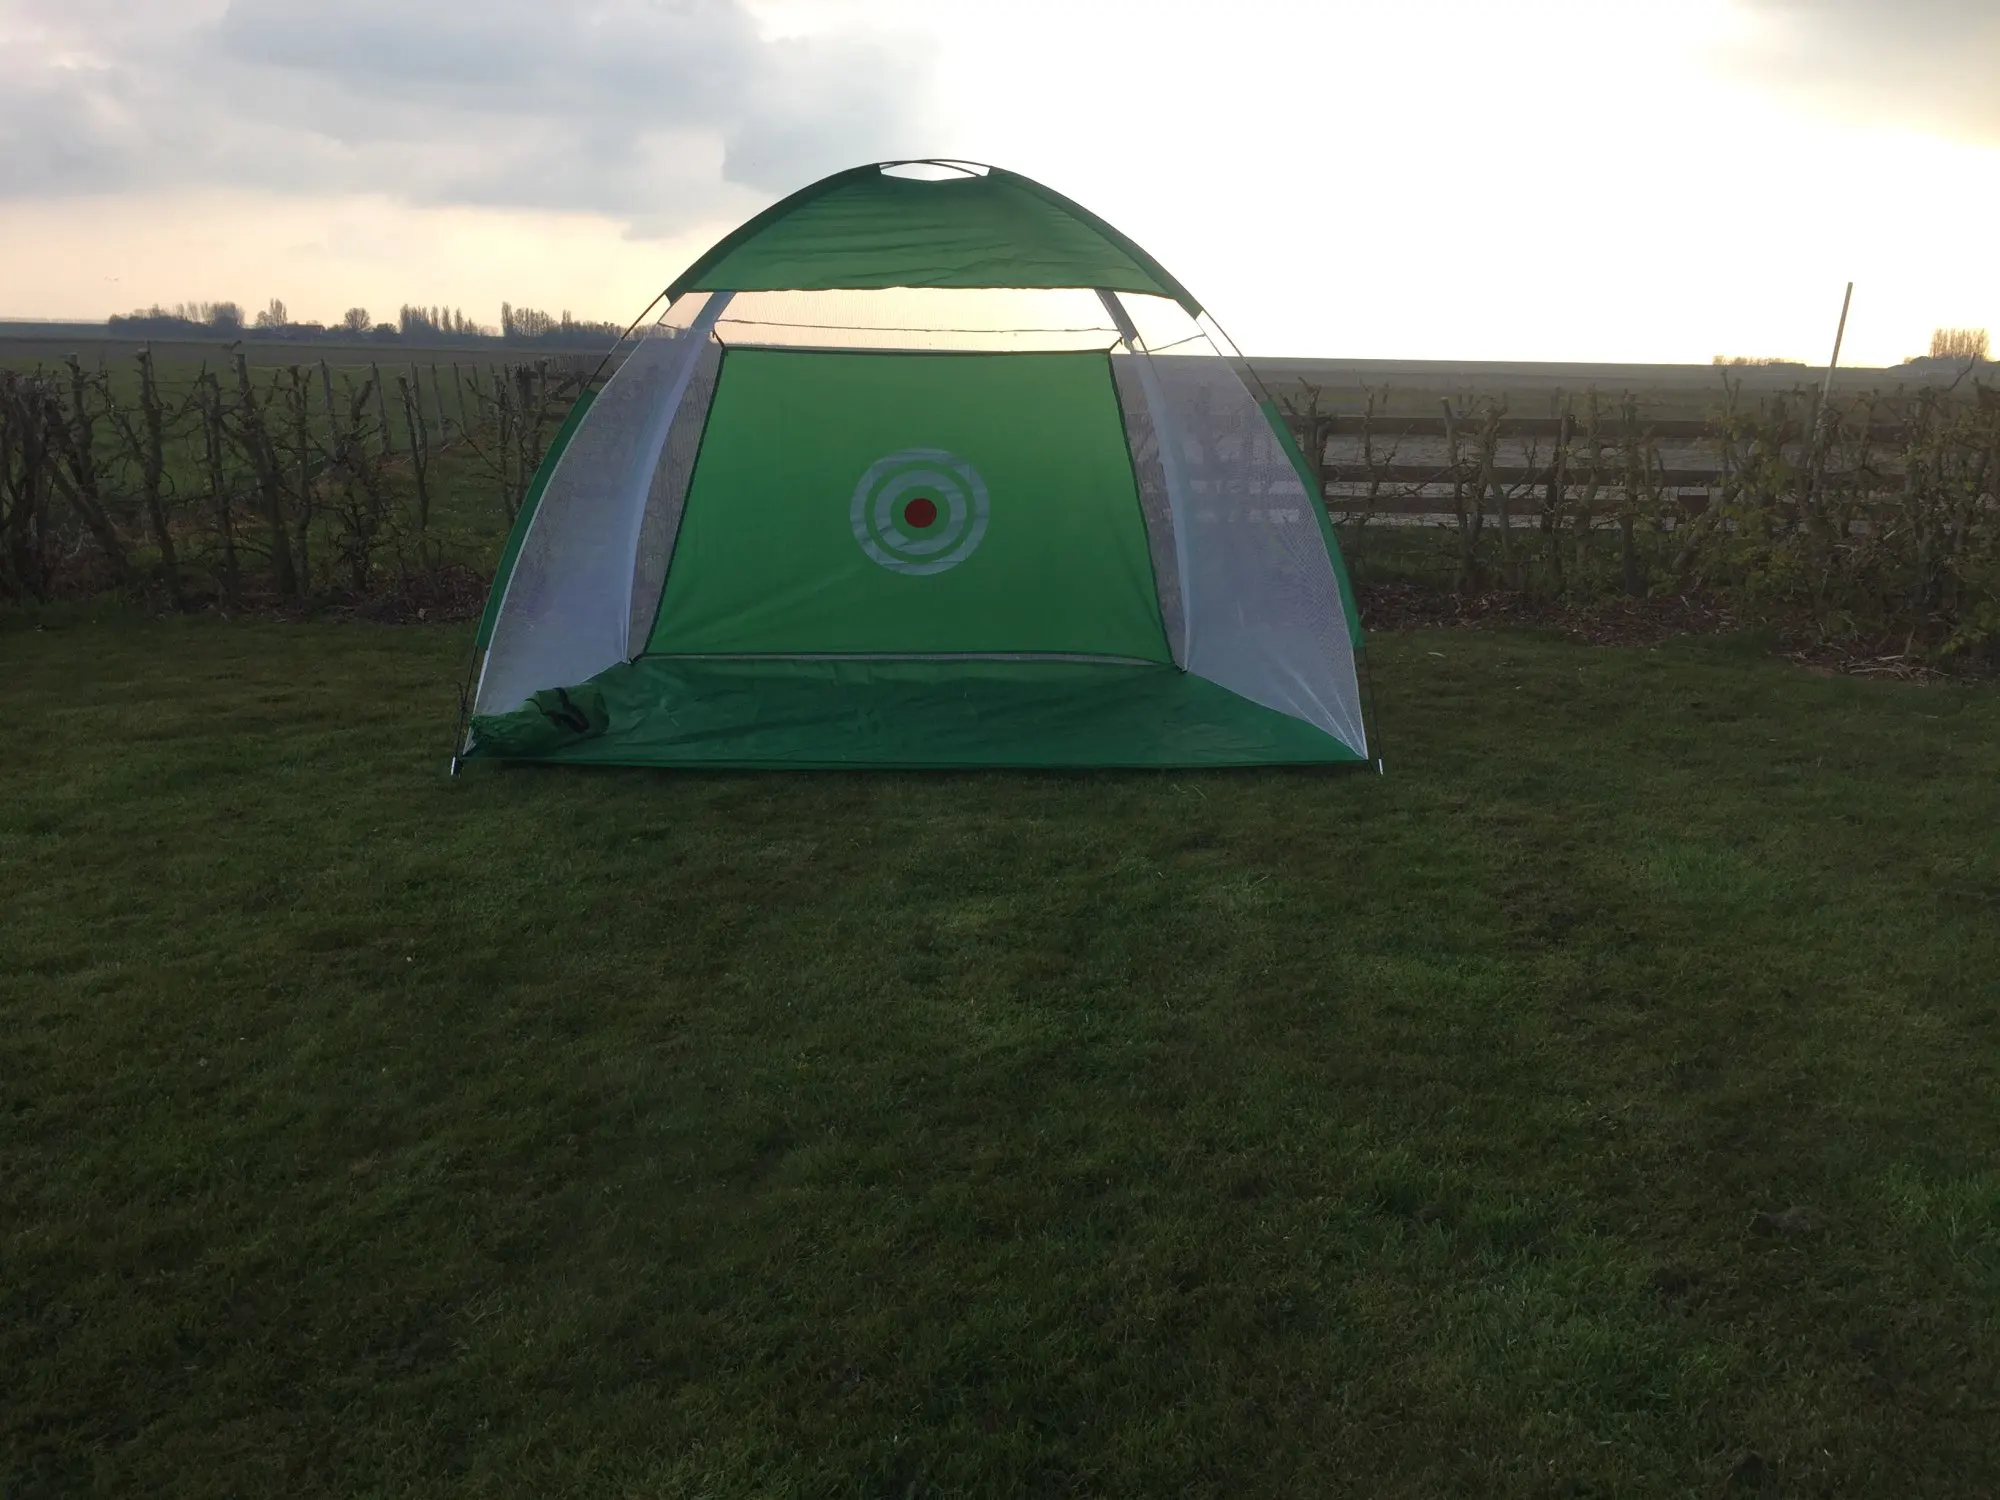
(1427, 466)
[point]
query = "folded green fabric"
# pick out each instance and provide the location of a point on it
(544, 724)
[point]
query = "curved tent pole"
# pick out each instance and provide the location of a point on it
(630, 328)
(1227, 347)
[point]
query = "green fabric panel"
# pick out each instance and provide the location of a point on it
(525, 516)
(768, 560)
(921, 714)
(1289, 444)
(544, 724)
(861, 229)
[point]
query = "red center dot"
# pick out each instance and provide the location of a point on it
(920, 512)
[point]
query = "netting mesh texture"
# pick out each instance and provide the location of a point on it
(566, 609)
(666, 496)
(1266, 619)
(1155, 501)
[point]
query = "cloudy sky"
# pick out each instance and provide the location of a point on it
(1525, 179)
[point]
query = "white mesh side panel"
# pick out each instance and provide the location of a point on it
(1265, 617)
(666, 498)
(1155, 502)
(567, 608)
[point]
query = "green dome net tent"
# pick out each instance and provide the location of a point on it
(923, 466)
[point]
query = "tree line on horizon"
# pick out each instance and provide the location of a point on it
(415, 323)
(1966, 346)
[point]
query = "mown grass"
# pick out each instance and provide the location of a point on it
(1603, 1103)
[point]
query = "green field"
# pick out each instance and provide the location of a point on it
(1602, 1103)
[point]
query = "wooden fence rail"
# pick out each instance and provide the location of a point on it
(1573, 477)
(1493, 463)
(1678, 429)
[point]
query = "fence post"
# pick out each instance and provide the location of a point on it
(437, 400)
(1489, 484)
(301, 404)
(504, 417)
(1552, 502)
(413, 413)
(1471, 522)
(264, 463)
(1635, 467)
(1593, 444)
(210, 391)
(382, 411)
(153, 466)
(336, 445)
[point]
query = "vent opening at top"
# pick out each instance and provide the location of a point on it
(932, 169)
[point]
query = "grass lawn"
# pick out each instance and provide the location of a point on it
(1606, 1102)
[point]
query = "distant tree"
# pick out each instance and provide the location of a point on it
(214, 314)
(184, 318)
(355, 320)
(438, 322)
(525, 322)
(273, 315)
(532, 325)
(384, 331)
(1969, 344)
(157, 319)
(1755, 361)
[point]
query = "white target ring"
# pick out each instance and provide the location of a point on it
(919, 511)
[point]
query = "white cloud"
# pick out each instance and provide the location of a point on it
(1562, 179)
(658, 113)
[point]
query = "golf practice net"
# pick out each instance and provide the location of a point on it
(923, 470)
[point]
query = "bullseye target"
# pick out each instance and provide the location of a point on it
(922, 510)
